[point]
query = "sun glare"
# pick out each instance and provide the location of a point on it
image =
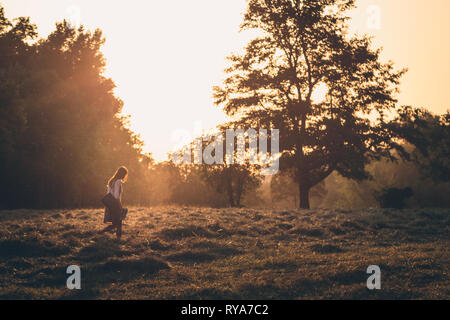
(165, 56)
(320, 92)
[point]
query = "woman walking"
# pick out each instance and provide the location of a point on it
(114, 212)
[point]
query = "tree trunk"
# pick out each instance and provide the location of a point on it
(231, 199)
(304, 196)
(230, 196)
(239, 191)
(238, 200)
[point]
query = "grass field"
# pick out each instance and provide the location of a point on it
(200, 253)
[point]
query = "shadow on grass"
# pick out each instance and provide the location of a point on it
(327, 248)
(352, 286)
(29, 248)
(207, 294)
(125, 270)
(158, 245)
(78, 234)
(185, 232)
(101, 250)
(204, 255)
(313, 232)
(93, 277)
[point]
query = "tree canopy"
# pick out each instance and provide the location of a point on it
(304, 44)
(61, 133)
(430, 136)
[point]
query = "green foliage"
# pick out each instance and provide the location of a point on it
(305, 44)
(234, 180)
(430, 135)
(394, 197)
(61, 135)
(284, 191)
(194, 190)
(387, 175)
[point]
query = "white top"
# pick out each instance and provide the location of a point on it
(116, 189)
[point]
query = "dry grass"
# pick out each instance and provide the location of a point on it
(199, 253)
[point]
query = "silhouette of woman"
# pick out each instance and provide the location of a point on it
(115, 213)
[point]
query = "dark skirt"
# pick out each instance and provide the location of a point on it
(113, 213)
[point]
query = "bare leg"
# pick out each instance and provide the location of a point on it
(119, 230)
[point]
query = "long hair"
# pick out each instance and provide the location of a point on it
(121, 174)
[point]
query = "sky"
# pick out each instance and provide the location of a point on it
(165, 56)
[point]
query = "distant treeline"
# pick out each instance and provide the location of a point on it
(389, 187)
(62, 137)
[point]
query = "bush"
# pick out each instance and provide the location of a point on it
(394, 197)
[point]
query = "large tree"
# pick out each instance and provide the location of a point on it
(283, 189)
(303, 45)
(61, 132)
